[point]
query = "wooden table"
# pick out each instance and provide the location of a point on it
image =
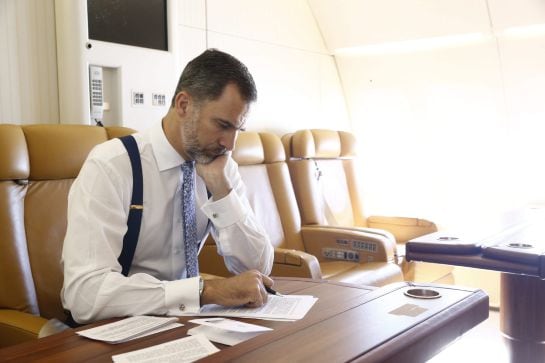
(347, 323)
(519, 254)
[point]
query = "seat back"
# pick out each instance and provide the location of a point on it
(323, 166)
(16, 284)
(263, 168)
(37, 168)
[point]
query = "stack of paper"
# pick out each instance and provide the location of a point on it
(188, 349)
(286, 307)
(226, 331)
(130, 328)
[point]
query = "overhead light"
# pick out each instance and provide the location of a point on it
(415, 45)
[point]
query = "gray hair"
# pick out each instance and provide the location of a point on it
(205, 77)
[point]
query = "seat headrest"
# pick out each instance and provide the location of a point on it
(254, 148)
(14, 163)
(58, 151)
(322, 144)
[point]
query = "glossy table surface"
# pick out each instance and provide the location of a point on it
(347, 323)
(519, 254)
(520, 249)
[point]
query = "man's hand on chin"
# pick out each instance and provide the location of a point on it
(215, 177)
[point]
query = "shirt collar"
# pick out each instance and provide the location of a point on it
(166, 156)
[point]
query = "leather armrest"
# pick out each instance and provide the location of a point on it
(403, 228)
(325, 242)
(287, 263)
(294, 263)
(18, 327)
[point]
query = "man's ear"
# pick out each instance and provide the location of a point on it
(181, 103)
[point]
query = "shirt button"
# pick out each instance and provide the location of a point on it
(182, 307)
(214, 215)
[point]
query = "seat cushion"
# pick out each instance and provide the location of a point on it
(17, 327)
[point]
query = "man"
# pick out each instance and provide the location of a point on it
(207, 112)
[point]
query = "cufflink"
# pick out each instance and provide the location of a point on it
(201, 286)
(181, 307)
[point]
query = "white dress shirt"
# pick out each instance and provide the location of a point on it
(98, 207)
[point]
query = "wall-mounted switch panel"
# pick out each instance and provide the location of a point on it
(137, 98)
(158, 99)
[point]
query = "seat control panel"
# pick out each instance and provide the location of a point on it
(339, 254)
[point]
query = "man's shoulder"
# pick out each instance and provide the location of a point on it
(107, 151)
(113, 150)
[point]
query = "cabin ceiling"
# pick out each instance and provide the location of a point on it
(349, 24)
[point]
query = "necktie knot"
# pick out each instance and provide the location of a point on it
(188, 167)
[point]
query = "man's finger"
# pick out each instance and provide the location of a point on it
(267, 281)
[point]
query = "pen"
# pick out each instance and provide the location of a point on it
(272, 292)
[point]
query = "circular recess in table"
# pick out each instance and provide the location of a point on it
(423, 293)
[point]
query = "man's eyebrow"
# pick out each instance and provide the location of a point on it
(224, 121)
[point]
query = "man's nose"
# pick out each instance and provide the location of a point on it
(228, 139)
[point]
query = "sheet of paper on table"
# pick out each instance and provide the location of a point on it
(226, 331)
(286, 307)
(188, 349)
(130, 328)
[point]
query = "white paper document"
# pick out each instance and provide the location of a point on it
(226, 331)
(130, 328)
(231, 325)
(287, 307)
(188, 349)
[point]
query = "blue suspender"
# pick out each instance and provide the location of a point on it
(134, 221)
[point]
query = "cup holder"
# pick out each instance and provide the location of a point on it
(447, 238)
(520, 245)
(423, 293)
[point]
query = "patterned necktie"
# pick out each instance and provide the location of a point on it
(190, 219)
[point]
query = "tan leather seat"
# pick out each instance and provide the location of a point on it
(38, 164)
(322, 166)
(263, 168)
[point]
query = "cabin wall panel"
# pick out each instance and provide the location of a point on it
(508, 13)
(28, 70)
(523, 62)
(297, 80)
(366, 22)
(450, 125)
(432, 132)
(288, 23)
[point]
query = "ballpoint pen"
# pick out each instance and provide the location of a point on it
(272, 292)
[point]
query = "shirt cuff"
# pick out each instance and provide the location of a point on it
(226, 211)
(182, 296)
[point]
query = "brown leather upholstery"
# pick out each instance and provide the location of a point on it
(263, 168)
(37, 166)
(323, 167)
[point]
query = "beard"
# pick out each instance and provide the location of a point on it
(202, 155)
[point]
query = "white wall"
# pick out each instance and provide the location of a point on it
(448, 107)
(28, 69)
(128, 69)
(279, 41)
